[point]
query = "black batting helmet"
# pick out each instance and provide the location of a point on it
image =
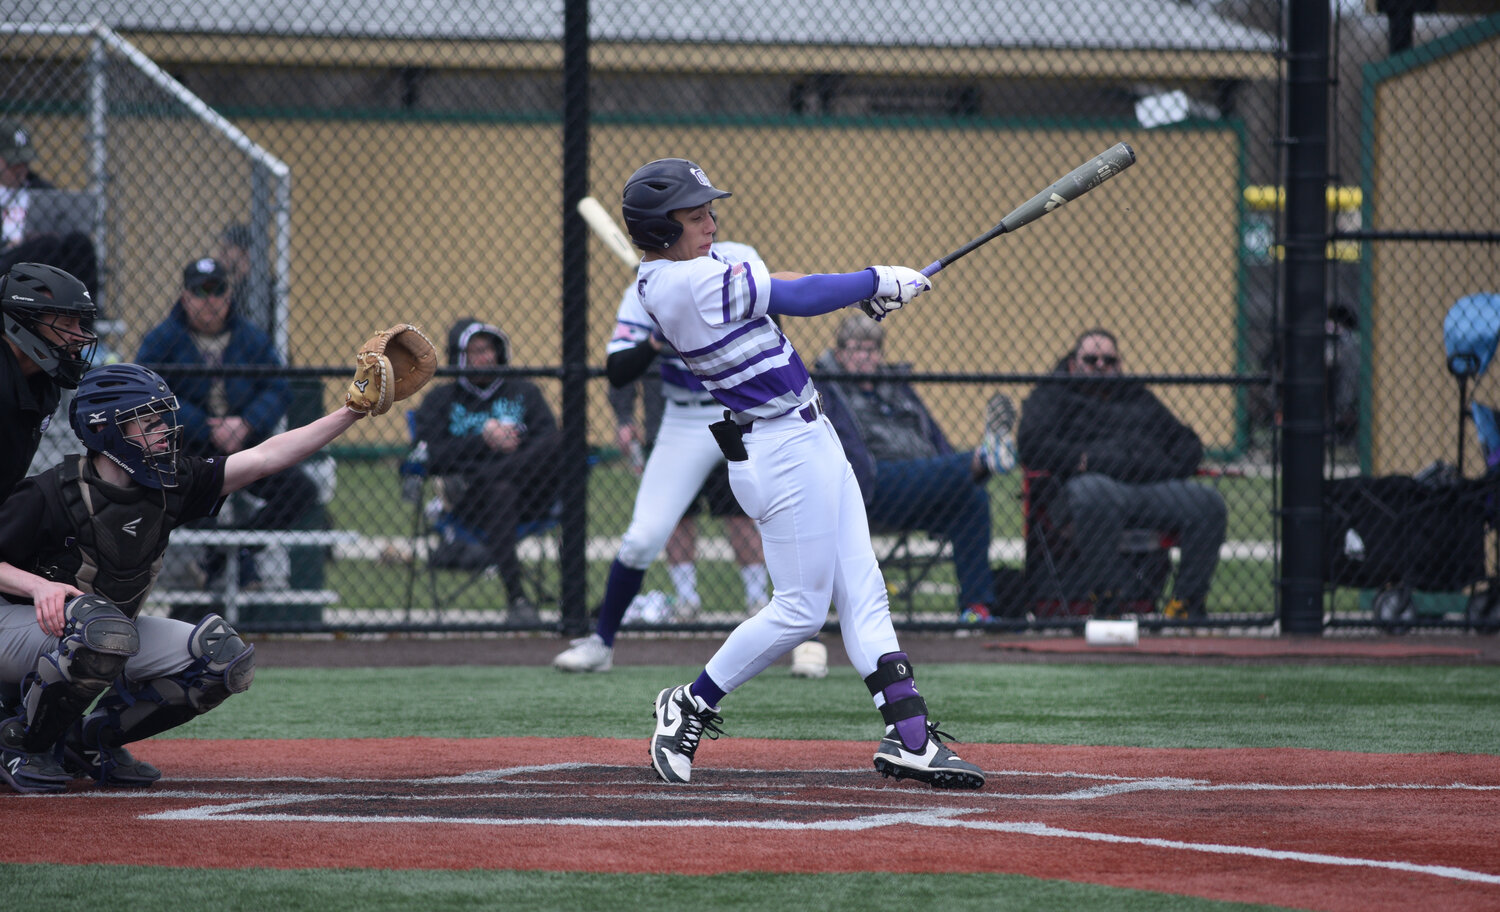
(31, 293)
(657, 189)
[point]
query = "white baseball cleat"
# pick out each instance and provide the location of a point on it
(810, 660)
(681, 720)
(935, 764)
(586, 654)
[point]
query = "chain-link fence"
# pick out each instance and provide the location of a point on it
(349, 166)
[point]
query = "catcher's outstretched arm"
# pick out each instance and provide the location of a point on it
(285, 449)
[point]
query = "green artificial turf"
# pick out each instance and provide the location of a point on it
(1370, 708)
(40, 888)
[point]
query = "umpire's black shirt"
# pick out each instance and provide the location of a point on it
(26, 405)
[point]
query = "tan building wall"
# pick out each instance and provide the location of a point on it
(375, 243)
(1414, 398)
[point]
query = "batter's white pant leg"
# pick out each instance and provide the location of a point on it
(792, 486)
(859, 591)
(684, 455)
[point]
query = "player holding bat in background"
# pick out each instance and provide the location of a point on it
(786, 466)
(80, 547)
(685, 465)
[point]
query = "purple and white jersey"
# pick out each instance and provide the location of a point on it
(715, 314)
(633, 325)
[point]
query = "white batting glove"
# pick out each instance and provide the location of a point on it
(877, 308)
(898, 284)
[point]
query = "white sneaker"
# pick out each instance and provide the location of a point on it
(681, 720)
(810, 660)
(935, 764)
(652, 607)
(997, 447)
(586, 654)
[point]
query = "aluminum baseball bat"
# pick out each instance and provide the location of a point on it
(1070, 186)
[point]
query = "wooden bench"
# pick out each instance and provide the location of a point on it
(231, 596)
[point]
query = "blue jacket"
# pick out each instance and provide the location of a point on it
(841, 415)
(262, 401)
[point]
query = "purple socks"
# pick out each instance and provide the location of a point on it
(623, 586)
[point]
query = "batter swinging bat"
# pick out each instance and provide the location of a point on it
(608, 231)
(1070, 186)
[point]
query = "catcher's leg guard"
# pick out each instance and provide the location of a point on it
(97, 640)
(223, 664)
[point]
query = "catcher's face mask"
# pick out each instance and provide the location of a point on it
(129, 414)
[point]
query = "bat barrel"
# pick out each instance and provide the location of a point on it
(1070, 186)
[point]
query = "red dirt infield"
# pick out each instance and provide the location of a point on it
(1310, 829)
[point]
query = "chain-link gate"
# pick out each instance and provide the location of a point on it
(359, 165)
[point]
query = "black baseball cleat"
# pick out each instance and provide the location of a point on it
(111, 767)
(28, 772)
(681, 721)
(935, 764)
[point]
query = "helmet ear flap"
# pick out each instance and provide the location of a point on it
(662, 231)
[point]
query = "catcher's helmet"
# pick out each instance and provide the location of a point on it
(34, 295)
(654, 191)
(110, 398)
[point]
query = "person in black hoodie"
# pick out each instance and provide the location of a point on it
(1123, 459)
(499, 437)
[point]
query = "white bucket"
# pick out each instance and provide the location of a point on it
(1111, 633)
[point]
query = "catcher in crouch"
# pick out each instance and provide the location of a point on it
(81, 544)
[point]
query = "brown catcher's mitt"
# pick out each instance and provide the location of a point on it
(391, 365)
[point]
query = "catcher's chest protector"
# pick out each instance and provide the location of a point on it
(118, 536)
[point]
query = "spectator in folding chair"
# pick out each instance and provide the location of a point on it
(498, 435)
(910, 475)
(1124, 461)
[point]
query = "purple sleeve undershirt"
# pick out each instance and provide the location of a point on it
(820, 294)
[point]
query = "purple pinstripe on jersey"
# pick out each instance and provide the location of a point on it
(730, 277)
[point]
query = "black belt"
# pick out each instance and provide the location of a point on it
(808, 413)
(705, 401)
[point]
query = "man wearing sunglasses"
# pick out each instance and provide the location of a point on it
(225, 414)
(1124, 461)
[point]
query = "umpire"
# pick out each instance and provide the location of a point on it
(49, 340)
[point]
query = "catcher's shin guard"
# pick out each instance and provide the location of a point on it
(96, 642)
(223, 664)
